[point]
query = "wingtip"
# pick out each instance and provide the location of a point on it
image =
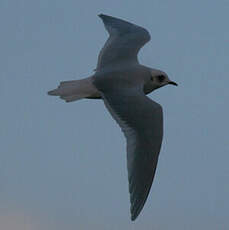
(138, 204)
(105, 16)
(50, 93)
(101, 15)
(133, 218)
(135, 214)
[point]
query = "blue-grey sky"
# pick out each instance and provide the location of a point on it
(63, 165)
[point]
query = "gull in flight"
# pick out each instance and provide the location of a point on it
(122, 83)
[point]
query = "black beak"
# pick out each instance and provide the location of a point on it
(173, 83)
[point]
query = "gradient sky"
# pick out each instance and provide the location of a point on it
(63, 165)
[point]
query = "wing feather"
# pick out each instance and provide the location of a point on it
(140, 119)
(123, 44)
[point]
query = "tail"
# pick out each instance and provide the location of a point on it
(74, 90)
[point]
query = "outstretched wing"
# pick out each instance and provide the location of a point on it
(141, 120)
(123, 44)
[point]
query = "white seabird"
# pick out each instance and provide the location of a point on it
(122, 83)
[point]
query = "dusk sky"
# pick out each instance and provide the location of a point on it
(63, 165)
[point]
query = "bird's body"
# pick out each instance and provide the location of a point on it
(84, 88)
(122, 83)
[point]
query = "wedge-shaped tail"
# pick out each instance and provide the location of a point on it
(75, 90)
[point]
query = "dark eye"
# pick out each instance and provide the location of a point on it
(161, 78)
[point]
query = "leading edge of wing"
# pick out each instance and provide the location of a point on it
(117, 26)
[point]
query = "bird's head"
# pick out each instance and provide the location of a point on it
(156, 80)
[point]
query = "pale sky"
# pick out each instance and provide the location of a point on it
(63, 165)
